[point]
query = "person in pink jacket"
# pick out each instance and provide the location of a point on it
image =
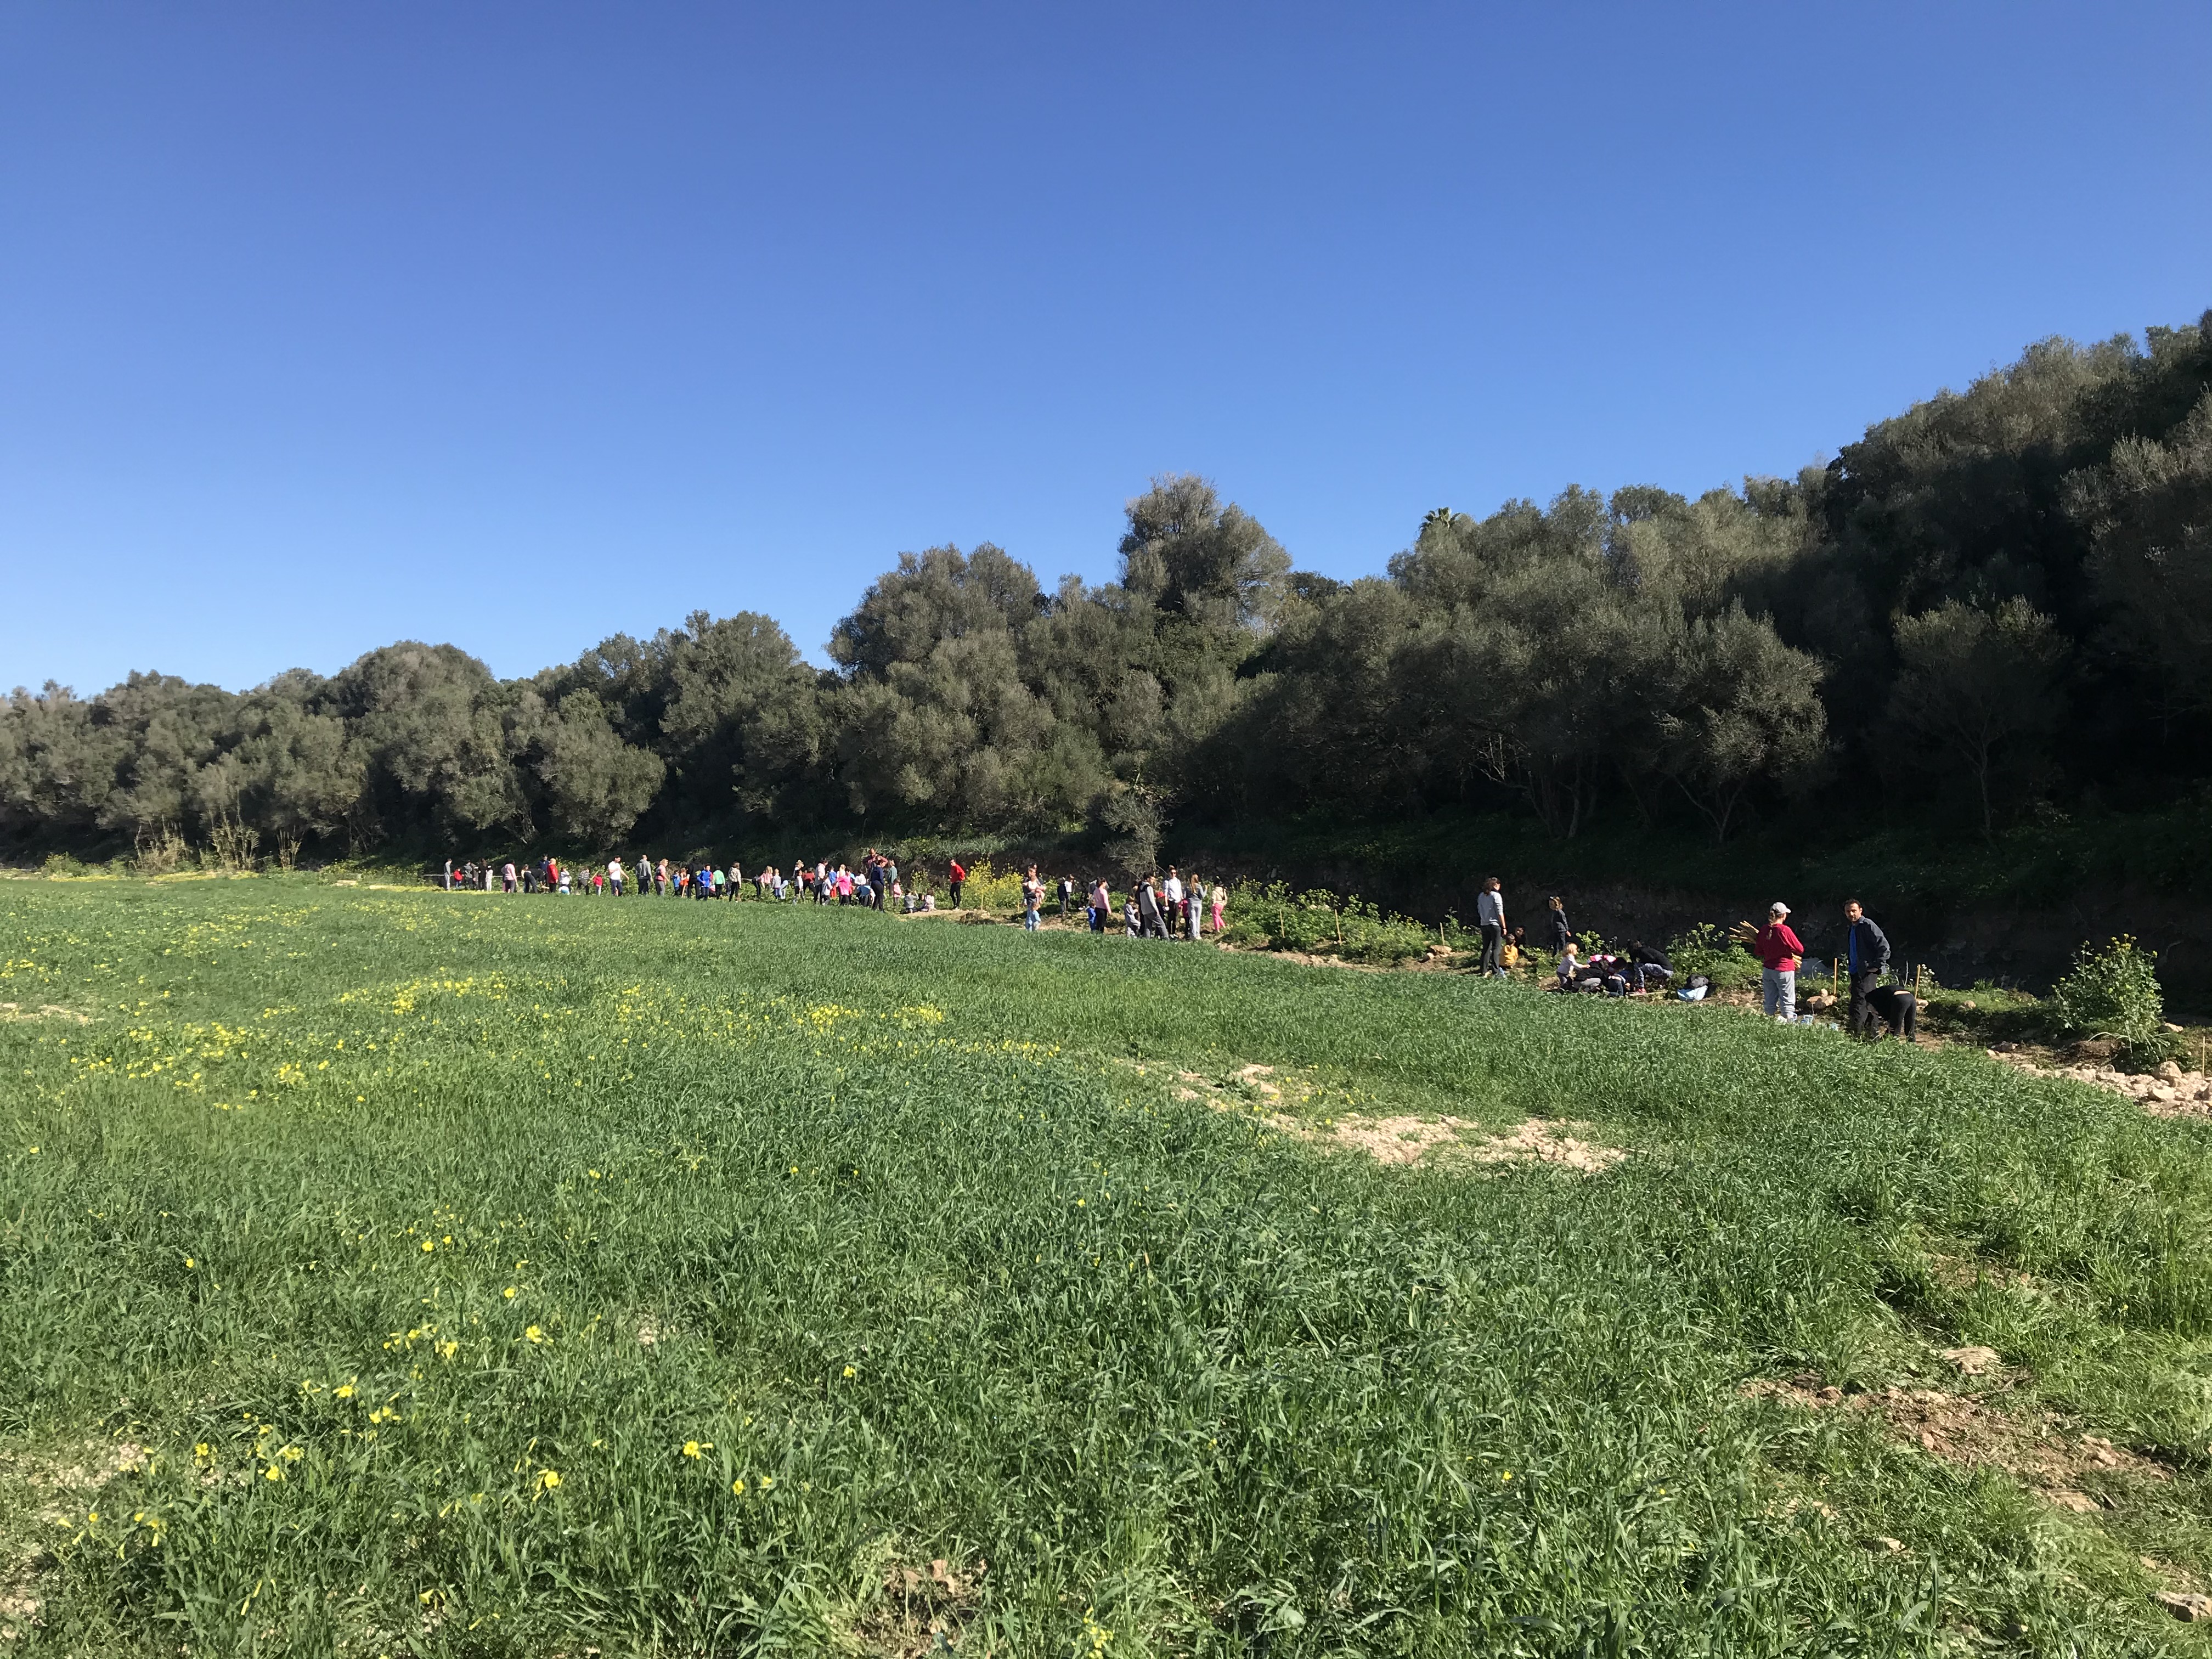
(1779, 954)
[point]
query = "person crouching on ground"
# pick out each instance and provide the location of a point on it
(1779, 954)
(1898, 1009)
(1571, 966)
(1648, 965)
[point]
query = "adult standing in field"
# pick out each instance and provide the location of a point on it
(644, 876)
(1102, 904)
(1066, 897)
(1032, 898)
(1866, 956)
(1148, 910)
(1780, 955)
(956, 876)
(1197, 907)
(1489, 917)
(1220, 904)
(615, 875)
(1171, 908)
(507, 876)
(1558, 934)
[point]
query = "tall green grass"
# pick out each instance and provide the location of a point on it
(500, 1276)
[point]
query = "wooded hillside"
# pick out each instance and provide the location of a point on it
(2000, 598)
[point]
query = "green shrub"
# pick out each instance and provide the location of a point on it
(2113, 994)
(1709, 951)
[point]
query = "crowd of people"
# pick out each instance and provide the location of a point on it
(1642, 969)
(1155, 908)
(1172, 907)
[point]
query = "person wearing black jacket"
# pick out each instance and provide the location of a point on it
(1557, 921)
(1866, 955)
(1648, 965)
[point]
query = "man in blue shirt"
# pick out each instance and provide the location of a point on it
(1866, 960)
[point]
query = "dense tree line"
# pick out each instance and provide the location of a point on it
(2000, 598)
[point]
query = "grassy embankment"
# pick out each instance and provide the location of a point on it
(480, 1276)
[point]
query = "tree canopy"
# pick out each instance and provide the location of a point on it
(2001, 595)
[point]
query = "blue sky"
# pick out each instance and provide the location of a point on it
(322, 326)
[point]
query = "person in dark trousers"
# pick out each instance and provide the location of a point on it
(1151, 923)
(1898, 1009)
(1490, 916)
(1558, 932)
(956, 876)
(1066, 896)
(1866, 959)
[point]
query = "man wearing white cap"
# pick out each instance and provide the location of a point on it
(1779, 952)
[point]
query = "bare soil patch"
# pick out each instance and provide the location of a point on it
(2080, 1472)
(41, 1493)
(1398, 1138)
(921, 1609)
(14, 1011)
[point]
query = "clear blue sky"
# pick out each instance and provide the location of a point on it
(515, 326)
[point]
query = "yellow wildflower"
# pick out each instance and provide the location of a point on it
(535, 1334)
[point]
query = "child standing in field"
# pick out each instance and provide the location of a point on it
(1220, 902)
(1558, 934)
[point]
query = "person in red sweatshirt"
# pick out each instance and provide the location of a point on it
(1780, 953)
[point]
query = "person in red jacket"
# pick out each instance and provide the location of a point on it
(956, 876)
(1779, 953)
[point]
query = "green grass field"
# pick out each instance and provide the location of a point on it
(414, 1273)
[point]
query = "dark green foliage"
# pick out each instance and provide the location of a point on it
(2113, 994)
(1995, 602)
